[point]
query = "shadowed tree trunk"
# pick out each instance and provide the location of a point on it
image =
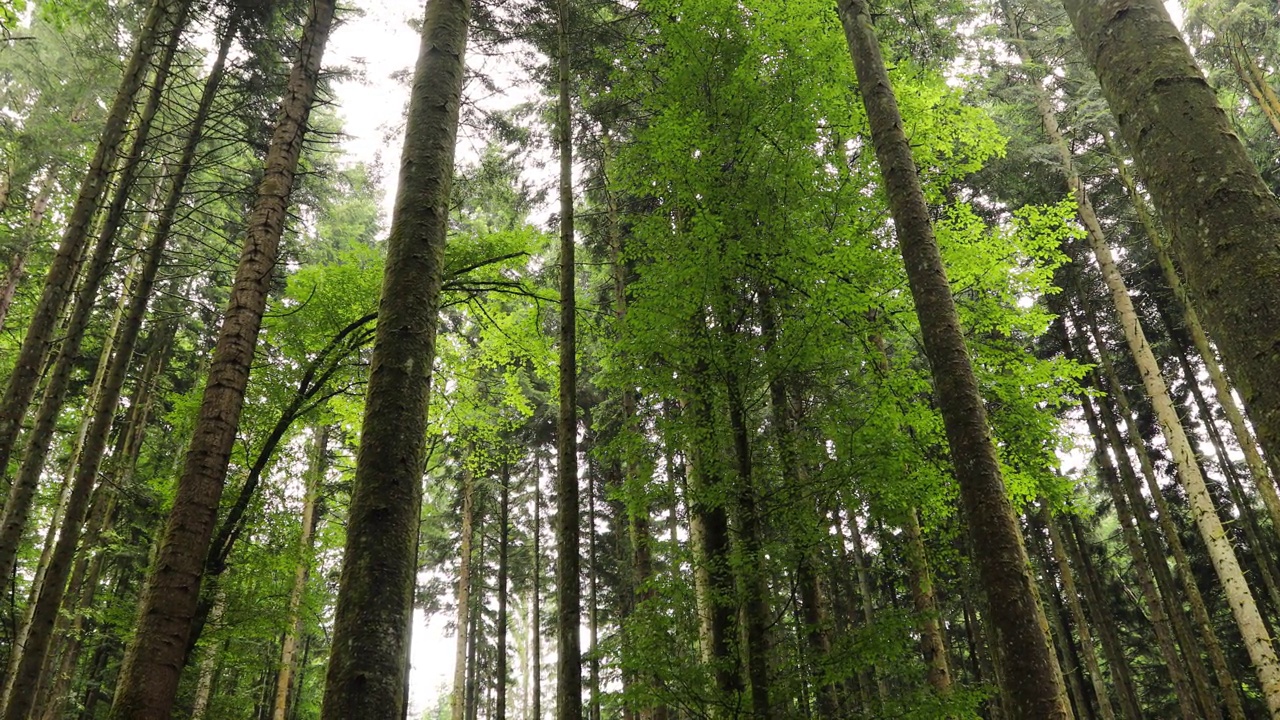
(504, 541)
(1036, 689)
(375, 599)
(458, 701)
(568, 590)
(62, 270)
(148, 680)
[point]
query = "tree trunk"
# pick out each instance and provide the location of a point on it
(1191, 321)
(751, 558)
(38, 439)
(148, 680)
(1078, 618)
(1121, 675)
(208, 665)
(459, 701)
(535, 621)
(504, 540)
(62, 272)
(310, 518)
(868, 612)
(1036, 690)
(375, 599)
(29, 232)
(105, 403)
(1068, 658)
(928, 623)
(1223, 218)
(1141, 569)
(568, 591)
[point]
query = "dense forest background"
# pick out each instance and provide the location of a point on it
(674, 359)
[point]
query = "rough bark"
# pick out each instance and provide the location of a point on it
(62, 270)
(568, 561)
(58, 378)
(310, 518)
(148, 679)
(366, 671)
(30, 230)
(1222, 217)
(1036, 689)
(45, 610)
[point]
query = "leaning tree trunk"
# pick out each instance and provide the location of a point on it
(148, 679)
(45, 610)
(375, 598)
(62, 271)
(39, 438)
(1035, 689)
(1223, 218)
(568, 590)
(293, 622)
(28, 234)
(932, 645)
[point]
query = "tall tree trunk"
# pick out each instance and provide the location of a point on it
(751, 559)
(1068, 657)
(459, 699)
(868, 612)
(62, 272)
(22, 491)
(293, 623)
(366, 671)
(535, 612)
(1036, 690)
(105, 403)
(1191, 321)
(1155, 604)
(1210, 196)
(1062, 558)
(208, 665)
(148, 680)
(30, 230)
(1121, 675)
(504, 541)
(593, 599)
(932, 645)
(568, 591)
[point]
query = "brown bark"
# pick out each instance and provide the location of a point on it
(366, 671)
(45, 611)
(568, 590)
(1036, 689)
(1210, 196)
(148, 679)
(62, 270)
(535, 612)
(39, 438)
(310, 518)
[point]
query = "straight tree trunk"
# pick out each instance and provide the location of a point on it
(1191, 321)
(535, 621)
(593, 598)
(459, 700)
(568, 591)
(148, 680)
(504, 541)
(1141, 569)
(1036, 690)
(208, 665)
(62, 272)
(868, 611)
(375, 599)
(1068, 658)
(1222, 217)
(30, 230)
(293, 623)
